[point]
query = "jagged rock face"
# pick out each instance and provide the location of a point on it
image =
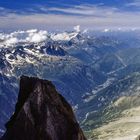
(41, 113)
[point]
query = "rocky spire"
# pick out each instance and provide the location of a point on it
(41, 113)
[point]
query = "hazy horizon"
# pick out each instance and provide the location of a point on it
(62, 14)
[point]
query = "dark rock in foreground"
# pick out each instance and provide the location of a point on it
(41, 113)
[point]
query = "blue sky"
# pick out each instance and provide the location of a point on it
(63, 14)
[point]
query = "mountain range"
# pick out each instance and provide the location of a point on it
(97, 73)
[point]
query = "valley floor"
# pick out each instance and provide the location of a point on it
(125, 128)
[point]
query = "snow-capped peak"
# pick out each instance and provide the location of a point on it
(63, 36)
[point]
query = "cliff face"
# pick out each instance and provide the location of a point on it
(41, 113)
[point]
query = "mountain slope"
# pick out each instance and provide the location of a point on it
(41, 113)
(116, 106)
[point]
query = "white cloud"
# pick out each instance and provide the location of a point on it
(135, 3)
(87, 10)
(106, 30)
(32, 31)
(88, 16)
(77, 28)
(12, 40)
(29, 36)
(36, 37)
(33, 36)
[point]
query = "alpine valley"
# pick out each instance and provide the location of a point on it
(98, 72)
